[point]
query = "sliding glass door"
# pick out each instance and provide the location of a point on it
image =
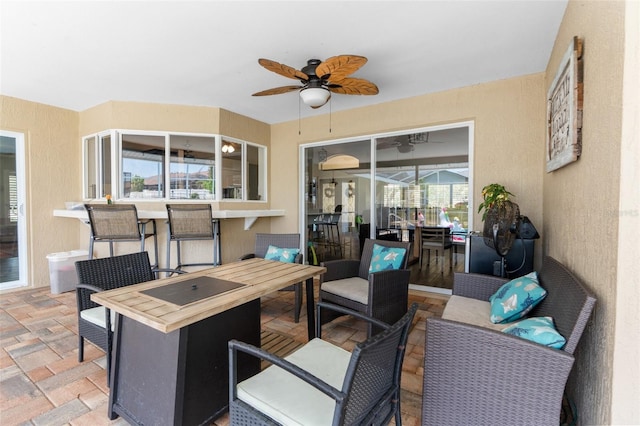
(386, 186)
(13, 261)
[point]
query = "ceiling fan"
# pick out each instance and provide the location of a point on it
(406, 143)
(320, 78)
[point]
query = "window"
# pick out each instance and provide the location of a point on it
(143, 163)
(192, 168)
(97, 165)
(231, 170)
(170, 166)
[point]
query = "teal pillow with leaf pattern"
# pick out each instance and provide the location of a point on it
(537, 329)
(386, 258)
(516, 298)
(287, 255)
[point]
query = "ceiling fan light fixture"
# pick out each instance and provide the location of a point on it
(228, 148)
(314, 96)
(418, 138)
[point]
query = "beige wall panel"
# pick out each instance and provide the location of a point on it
(53, 174)
(176, 118)
(245, 128)
(581, 199)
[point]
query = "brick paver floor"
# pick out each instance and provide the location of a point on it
(42, 382)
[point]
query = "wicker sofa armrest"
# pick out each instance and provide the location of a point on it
(340, 269)
(474, 375)
(476, 286)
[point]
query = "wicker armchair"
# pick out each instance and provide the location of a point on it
(96, 323)
(263, 241)
(382, 295)
(324, 384)
(475, 375)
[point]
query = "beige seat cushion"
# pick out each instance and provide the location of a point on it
(97, 316)
(471, 311)
(355, 288)
(289, 400)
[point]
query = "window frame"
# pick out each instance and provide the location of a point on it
(116, 159)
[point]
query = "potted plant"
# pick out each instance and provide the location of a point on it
(494, 195)
(500, 218)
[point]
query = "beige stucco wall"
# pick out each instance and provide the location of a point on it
(582, 208)
(508, 146)
(52, 150)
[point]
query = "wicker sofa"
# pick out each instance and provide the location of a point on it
(475, 375)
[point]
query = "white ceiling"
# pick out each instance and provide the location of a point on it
(80, 54)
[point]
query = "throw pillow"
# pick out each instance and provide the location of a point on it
(287, 255)
(516, 298)
(385, 258)
(538, 329)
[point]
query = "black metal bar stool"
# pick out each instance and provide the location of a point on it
(119, 223)
(192, 222)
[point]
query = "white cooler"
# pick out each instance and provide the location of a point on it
(62, 269)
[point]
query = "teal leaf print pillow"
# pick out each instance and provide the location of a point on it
(516, 298)
(385, 258)
(538, 329)
(287, 255)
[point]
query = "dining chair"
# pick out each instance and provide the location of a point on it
(323, 384)
(192, 222)
(436, 238)
(376, 285)
(281, 241)
(95, 322)
(113, 223)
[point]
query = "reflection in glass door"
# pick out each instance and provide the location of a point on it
(13, 269)
(337, 196)
(399, 182)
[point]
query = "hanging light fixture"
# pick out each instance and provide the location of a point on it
(227, 148)
(418, 138)
(315, 96)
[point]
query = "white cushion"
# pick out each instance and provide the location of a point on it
(470, 311)
(97, 316)
(355, 288)
(290, 401)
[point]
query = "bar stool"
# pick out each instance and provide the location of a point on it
(119, 223)
(192, 222)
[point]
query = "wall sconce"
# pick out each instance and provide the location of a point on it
(227, 148)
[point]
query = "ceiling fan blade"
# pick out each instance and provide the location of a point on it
(277, 90)
(354, 86)
(338, 67)
(283, 70)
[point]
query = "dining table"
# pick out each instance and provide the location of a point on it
(169, 352)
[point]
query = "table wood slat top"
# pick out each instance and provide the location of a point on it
(258, 276)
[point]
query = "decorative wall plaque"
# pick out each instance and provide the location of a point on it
(564, 110)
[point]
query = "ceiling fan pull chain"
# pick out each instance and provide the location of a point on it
(299, 132)
(330, 103)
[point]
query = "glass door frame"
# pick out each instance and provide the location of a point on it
(373, 138)
(22, 208)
